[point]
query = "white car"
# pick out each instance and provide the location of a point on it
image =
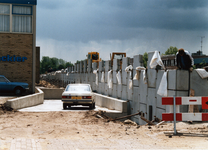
(78, 94)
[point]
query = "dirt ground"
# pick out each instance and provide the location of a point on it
(85, 125)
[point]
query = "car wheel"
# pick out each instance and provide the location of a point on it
(92, 106)
(64, 106)
(18, 91)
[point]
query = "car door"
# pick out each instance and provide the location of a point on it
(4, 84)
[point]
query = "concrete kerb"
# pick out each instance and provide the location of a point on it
(110, 103)
(26, 101)
(52, 93)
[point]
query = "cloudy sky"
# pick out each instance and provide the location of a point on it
(69, 29)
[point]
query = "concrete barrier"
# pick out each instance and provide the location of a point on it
(50, 93)
(26, 101)
(110, 103)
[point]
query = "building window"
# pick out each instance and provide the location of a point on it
(19, 19)
(22, 19)
(4, 18)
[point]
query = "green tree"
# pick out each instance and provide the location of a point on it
(171, 50)
(48, 64)
(61, 67)
(145, 59)
(69, 64)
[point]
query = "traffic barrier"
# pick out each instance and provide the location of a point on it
(186, 101)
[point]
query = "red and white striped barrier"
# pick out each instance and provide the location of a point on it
(186, 101)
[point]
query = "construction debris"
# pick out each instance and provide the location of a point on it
(129, 122)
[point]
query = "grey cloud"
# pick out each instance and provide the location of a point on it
(87, 20)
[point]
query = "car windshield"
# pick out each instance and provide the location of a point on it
(2, 79)
(80, 88)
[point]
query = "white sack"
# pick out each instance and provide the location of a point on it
(110, 83)
(156, 60)
(202, 73)
(130, 81)
(118, 76)
(162, 90)
(127, 69)
(138, 70)
(102, 77)
(96, 79)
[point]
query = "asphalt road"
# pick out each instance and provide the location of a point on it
(57, 105)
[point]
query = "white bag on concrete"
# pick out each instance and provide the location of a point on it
(118, 76)
(144, 77)
(162, 90)
(202, 73)
(96, 79)
(110, 82)
(103, 77)
(129, 68)
(138, 70)
(156, 60)
(130, 81)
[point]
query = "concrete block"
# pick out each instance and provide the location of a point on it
(114, 77)
(94, 66)
(114, 94)
(119, 91)
(99, 76)
(158, 97)
(101, 65)
(129, 90)
(106, 77)
(85, 66)
(124, 95)
(151, 103)
(124, 77)
(78, 67)
(178, 80)
(138, 59)
(150, 55)
(94, 87)
(89, 67)
(116, 64)
(110, 91)
(125, 63)
(199, 85)
(129, 107)
(81, 66)
(143, 108)
(136, 98)
(106, 89)
(151, 76)
(135, 82)
(26, 101)
(143, 89)
(107, 65)
(55, 93)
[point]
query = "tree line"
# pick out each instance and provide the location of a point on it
(48, 64)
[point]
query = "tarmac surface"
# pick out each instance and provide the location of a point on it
(57, 105)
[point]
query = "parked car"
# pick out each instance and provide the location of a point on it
(78, 94)
(17, 87)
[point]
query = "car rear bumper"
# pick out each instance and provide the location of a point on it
(77, 101)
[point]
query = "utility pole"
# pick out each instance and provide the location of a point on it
(201, 41)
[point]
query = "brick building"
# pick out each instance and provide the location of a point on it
(18, 41)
